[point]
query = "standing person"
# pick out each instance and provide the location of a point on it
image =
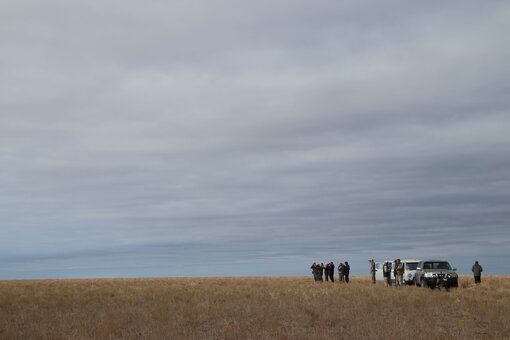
(332, 272)
(372, 269)
(321, 271)
(395, 271)
(346, 271)
(314, 271)
(341, 272)
(477, 272)
(326, 271)
(399, 273)
(387, 273)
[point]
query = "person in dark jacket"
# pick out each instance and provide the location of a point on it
(477, 272)
(395, 270)
(346, 271)
(314, 271)
(372, 270)
(326, 271)
(387, 273)
(332, 272)
(321, 271)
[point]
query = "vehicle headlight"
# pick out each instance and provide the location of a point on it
(409, 275)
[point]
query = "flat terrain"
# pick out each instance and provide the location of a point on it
(250, 308)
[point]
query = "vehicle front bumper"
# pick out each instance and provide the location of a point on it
(452, 282)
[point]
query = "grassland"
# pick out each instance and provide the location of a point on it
(250, 308)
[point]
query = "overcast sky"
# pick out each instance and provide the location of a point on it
(183, 138)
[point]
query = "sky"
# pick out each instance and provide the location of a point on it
(226, 138)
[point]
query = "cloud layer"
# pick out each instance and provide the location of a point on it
(228, 138)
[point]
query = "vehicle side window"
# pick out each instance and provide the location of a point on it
(411, 266)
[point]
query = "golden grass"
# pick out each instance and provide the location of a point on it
(250, 308)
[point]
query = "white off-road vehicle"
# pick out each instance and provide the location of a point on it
(410, 271)
(428, 270)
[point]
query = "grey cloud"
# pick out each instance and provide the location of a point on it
(268, 133)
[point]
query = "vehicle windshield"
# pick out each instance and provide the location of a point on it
(437, 265)
(411, 265)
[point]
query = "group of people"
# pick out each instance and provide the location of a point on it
(399, 269)
(320, 271)
(398, 272)
(326, 271)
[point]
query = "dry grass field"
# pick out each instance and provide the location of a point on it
(250, 308)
